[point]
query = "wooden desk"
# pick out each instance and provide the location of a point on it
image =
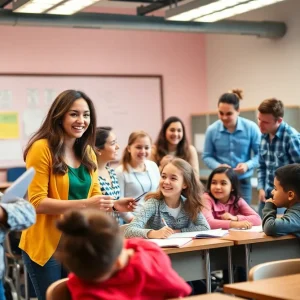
(253, 248)
(4, 185)
(277, 288)
(192, 261)
(214, 296)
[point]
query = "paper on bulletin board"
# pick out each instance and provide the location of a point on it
(9, 125)
(10, 150)
(199, 139)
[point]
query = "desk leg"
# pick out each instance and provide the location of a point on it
(247, 257)
(207, 270)
(230, 267)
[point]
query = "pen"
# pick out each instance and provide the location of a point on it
(165, 223)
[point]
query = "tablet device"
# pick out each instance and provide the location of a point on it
(19, 187)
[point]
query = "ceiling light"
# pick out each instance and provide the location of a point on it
(70, 7)
(214, 10)
(33, 6)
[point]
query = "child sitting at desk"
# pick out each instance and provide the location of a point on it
(16, 215)
(175, 207)
(286, 193)
(104, 266)
(224, 208)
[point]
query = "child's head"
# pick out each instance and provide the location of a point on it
(138, 149)
(106, 144)
(222, 184)
(286, 185)
(91, 243)
(179, 178)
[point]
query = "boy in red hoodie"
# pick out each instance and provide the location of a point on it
(104, 266)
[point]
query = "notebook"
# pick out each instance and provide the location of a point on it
(252, 229)
(19, 187)
(177, 243)
(213, 233)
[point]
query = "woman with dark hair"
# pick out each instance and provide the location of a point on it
(172, 142)
(233, 142)
(224, 208)
(61, 152)
(107, 150)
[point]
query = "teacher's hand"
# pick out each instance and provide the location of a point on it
(241, 168)
(100, 202)
(125, 204)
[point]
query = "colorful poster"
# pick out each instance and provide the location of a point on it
(9, 125)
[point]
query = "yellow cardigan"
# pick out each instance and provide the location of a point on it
(41, 240)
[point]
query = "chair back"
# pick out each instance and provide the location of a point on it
(14, 173)
(58, 290)
(275, 269)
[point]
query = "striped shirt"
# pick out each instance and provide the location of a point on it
(20, 215)
(150, 218)
(284, 149)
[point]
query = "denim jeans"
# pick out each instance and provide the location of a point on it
(2, 294)
(261, 205)
(246, 189)
(43, 277)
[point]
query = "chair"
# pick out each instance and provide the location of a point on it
(14, 173)
(275, 269)
(58, 290)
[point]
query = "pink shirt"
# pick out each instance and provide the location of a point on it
(213, 211)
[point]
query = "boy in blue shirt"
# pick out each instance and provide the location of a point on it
(16, 215)
(286, 193)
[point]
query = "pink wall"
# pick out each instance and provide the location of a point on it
(179, 57)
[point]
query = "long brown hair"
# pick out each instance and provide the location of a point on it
(182, 149)
(126, 157)
(193, 192)
(53, 131)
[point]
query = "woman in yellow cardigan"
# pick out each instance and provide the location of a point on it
(66, 169)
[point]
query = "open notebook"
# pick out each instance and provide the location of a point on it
(214, 233)
(253, 229)
(171, 242)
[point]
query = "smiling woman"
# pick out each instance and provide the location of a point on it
(61, 152)
(172, 142)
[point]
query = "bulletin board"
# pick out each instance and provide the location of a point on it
(124, 102)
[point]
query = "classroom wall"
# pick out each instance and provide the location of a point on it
(263, 68)
(178, 57)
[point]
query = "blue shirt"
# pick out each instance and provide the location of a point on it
(284, 149)
(150, 218)
(232, 148)
(20, 215)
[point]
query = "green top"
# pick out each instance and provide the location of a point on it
(79, 182)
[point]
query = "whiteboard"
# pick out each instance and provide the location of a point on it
(124, 102)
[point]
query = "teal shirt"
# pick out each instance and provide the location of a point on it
(79, 182)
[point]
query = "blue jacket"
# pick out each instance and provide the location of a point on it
(289, 223)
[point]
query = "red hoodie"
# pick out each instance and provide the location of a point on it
(148, 275)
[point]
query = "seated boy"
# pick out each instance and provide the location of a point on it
(16, 215)
(104, 266)
(286, 193)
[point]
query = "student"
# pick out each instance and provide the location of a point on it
(286, 193)
(16, 215)
(66, 177)
(137, 175)
(224, 208)
(231, 141)
(107, 147)
(104, 266)
(280, 146)
(172, 142)
(175, 207)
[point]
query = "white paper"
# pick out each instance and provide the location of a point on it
(5, 99)
(199, 139)
(204, 233)
(10, 150)
(171, 242)
(252, 229)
